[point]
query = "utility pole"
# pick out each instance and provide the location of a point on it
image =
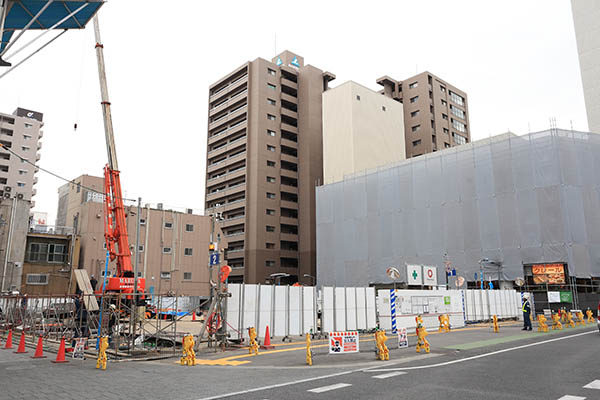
(9, 241)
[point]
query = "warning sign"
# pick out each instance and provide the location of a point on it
(343, 342)
(79, 349)
(402, 338)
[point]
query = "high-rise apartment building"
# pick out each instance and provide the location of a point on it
(586, 14)
(362, 130)
(20, 132)
(173, 252)
(435, 112)
(264, 158)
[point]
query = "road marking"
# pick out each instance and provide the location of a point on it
(593, 385)
(389, 375)
(480, 355)
(330, 387)
(569, 397)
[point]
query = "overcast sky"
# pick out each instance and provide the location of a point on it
(517, 61)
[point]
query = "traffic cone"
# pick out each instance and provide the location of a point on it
(8, 344)
(60, 357)
(39, 350)
(193, 315)
(21, 348)
(267, 343)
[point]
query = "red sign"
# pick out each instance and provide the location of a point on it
(548, 273)
(343, 342)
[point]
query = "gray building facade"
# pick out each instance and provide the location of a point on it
(516, 200)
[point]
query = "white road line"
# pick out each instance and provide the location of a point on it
(330, 387)
(375, 369)
(569, 397)
(389, 375)
(593, 385)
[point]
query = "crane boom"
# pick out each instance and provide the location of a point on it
(115, 225)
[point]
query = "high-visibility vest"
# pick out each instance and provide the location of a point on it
(526, 302)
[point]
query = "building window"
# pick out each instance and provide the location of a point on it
(446, 130)
(416, 128)
(269, 263)
(270, 179)
(270, 228)
(270, 132)
(270, 212)
(416, 143)
(271, 71)
(270, 148)
(358, 97)
(165, 275)
(414, 114)
(271, 102)
(271, 117)
(189, 227)
(104, 245)
(270, 195)
(271, 86)
(444, 116)
(446, 145)
(141, 248)
(444, 102)
(26, 137)
(23, 160)
(25, 148)
(27, 125)
(142, 221)
(187, 276)
(457, 112)
(457, 98)
(270, 163)
(383, 108)
(22, 172)
(270, 245)
(166, 250)
(443, 89)
(37, 279)
(414, 99)
(458, 139)
(21, 184)
(168, 225)
(459, 126)
(188, 251)
(413, 85)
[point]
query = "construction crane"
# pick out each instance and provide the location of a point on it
(115, 225)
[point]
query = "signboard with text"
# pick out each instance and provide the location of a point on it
(548, 273)
(343, 342)
(402, 338)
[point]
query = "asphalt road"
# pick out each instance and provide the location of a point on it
(549, 366)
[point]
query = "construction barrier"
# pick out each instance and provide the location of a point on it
(481, 305)
(348, 308)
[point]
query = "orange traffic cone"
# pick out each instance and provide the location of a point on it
(21, 348)
(193, 315)
(60, 357)
(39, 350)
(267, 343)
(8, 344)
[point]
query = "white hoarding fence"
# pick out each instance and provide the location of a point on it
(481, 305)
(348, 309)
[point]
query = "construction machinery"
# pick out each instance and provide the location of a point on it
(115, 225)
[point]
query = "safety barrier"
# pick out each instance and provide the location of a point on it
(348, 308)
(481, 305)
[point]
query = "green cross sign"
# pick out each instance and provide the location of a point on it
(414, 274)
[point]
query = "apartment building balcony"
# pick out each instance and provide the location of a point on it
(224, 120)
(33, 192)
(233, 224)
(287, 157)
(289, 204)
(227, 206)
(289, 143)
(229, 147)
(226, 161)
(227, 177)
(235, 252)
(35, 180)
(41, 135)
(39, 146)
(289, 113)
(287, 97)
(288, 253)
(288, 220)
(289, 128)
(289, 237)
(288, 173)
(236, 235)
(288, 83)
(227, 89)
(231, 130)
(38, 156)
(239, 188)
(235, 97)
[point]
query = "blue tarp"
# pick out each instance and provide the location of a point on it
(20, 12)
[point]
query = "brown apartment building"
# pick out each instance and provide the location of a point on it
(173, 252)
(435, 112)
(264, 158)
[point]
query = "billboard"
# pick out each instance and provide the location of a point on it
(548, 273)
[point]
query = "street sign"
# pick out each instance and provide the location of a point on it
(214, 258)
(429, 276)
(402, 338)
(343, 342)
(566, 297)
(414, 275)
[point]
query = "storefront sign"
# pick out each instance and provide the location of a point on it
(548, 273)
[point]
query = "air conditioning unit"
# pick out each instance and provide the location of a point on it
(159, 206)
(7, 189)
(20, 196)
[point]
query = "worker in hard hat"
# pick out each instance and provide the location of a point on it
(526, 313)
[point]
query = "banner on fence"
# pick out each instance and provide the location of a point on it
(343, 342)
(402, 338)
(79, 349)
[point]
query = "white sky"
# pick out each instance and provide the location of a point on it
(517, 61)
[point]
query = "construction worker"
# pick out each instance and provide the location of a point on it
(526, 313)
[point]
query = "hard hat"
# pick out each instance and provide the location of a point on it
(113, 307)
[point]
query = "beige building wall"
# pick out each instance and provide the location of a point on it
(361, 130)
(21, 133)
(173, 252)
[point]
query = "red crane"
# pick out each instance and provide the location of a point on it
(115, 224)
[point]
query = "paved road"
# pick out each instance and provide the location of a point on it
(549, 370)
